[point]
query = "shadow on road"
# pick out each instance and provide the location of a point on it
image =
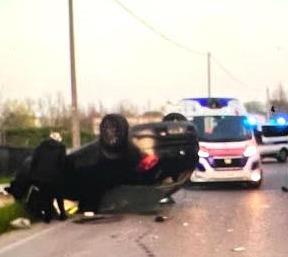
(269, 161)
(97, 219)
(219, 186)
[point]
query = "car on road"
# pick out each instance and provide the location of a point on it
(156, 157)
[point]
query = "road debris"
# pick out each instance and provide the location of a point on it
(167, 200)
(185, 224)
(160, 218)
(266, 206)
(89, 214)
(21, 223)
(239, 249)
(230, 230)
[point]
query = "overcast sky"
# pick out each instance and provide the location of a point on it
(117, 57)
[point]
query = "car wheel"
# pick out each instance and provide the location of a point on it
(174, 117)
(282, 156)
(113, 135)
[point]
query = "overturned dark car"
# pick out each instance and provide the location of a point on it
(148, 162)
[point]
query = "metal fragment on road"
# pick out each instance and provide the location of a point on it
(160, 218)
(239, 249)
(21, 223)
(185, 224)
(164, 200)
(89, 214)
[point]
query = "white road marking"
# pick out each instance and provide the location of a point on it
(29, 238)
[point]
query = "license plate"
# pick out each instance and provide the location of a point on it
(176, 130)
(227, 161)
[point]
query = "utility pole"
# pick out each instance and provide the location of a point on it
(268, 107)
(209, 73)
(74, 111)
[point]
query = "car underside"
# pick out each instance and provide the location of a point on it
(160, 156)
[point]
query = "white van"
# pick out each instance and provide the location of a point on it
(228, 149)
(272, 141)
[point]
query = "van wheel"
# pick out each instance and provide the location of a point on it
(255, 185)
(282, 156)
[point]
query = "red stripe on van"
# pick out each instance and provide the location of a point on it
(226, 152)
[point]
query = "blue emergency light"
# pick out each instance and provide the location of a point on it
(250, 121)
(211, 102)
(281, 121)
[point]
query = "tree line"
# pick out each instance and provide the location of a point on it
(26, 122)
(278, 99)
(52, 112)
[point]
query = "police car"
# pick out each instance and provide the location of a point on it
(272, 138)
(228, 149)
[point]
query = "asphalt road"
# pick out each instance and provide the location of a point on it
(205, 221)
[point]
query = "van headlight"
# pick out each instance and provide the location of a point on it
(203, 154)
(255, 176)
(250, 151)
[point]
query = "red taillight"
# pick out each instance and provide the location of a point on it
(148, 162)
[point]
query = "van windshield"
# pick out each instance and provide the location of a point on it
(222, 128)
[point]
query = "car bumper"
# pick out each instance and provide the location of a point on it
(225, 176)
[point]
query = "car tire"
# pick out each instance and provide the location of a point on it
(174, 116)
(255, 185)
(113, 135)
(282, 156)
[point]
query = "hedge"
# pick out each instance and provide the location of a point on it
(31, 137)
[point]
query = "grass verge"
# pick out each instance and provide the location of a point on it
(5, 180)
(9, 213)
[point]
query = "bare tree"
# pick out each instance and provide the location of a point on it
(255, 107)
(279, 99)
(17, 114)
(127, 108)
(101, 109)
(89, 116)
(53, 111)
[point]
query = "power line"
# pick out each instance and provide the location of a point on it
(157, 31)
(177, 44)
(229, 73)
